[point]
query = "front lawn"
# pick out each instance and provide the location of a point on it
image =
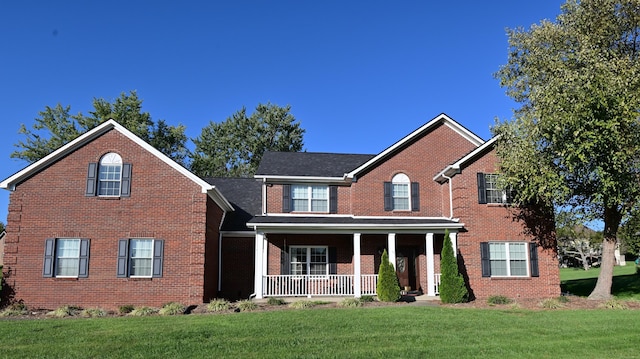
(626, 283)
(407, 331)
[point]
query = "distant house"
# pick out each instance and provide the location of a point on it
(107, 220)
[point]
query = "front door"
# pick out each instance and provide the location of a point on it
(407, 268)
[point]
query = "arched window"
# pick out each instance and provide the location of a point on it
(110, 175)
(400, 192)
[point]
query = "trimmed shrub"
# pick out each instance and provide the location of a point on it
(498, 299)
(14, 309)
(387, 287)
(452, 287)
(218, 305)
(126, 309)
(93, 313)
(64, 311)
(275, 301)
(172, 308)
(247, 305)
(350, 302)
(614, 304)
(143, 311)
(551, 303)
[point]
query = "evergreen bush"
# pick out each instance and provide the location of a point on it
(387, 287)
(452, 287)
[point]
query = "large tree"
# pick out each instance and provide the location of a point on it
(234, 148)
(575, 139)
(56, 126)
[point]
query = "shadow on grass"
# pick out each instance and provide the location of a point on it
(624, 286)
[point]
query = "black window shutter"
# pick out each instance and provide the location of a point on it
(485, 259)
(333, 199)
(49, 252)
(83, 271)
(388, 200)
(92, 179)
(533, 259)
(125, 185)
(415, 196)
(333, 260)
(158, 253)
(123, 258)
(286, 198)
(482, 193)
(284, 261)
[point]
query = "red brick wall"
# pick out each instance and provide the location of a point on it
(420, 161)
(238, 267)
(492, 222)
(163, 205)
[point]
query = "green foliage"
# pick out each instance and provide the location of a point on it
(350, 302)
(56, 126)
(64, 311)
(575, 140)
(126, 309)
(218, 305)
(367, 299)
(452, 286)
(172, 308)
(93, 313)
(498, 299)
(14, 309)
(614, 304)
(1, 227)
(234, 148)
(143, 311)
(551, 303)
(246, 305)
(302, 304)
(275, 301)
(387, 288)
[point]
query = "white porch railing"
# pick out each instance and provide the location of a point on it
(316, 285)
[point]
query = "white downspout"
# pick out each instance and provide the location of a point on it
(450, 195)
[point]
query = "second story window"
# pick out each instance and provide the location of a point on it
(401, 194)
(309, 198)
(489, 190)
(110, 175)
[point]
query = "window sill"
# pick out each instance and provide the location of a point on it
(511, 278)
(73, 279)
(108, 198)
(140, 279)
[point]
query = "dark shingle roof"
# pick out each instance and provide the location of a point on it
(245, 195)
(312, 164)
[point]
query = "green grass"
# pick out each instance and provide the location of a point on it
(626, 283)
(374, 332)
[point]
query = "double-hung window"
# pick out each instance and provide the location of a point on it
(310, 198)
(489, 190)
(66, 258)
(140, 257)
(309, 260)
(401, 194)
(509, 259)
(109, 178)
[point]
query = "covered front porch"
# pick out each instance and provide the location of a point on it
(315, 262)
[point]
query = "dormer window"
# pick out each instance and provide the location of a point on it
(109, 178)
(401, 194)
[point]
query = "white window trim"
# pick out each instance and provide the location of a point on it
(310, 199)
(307, 262)
(403, 179)
(504, 198)
(130, 259)
(56, 258)
(109, 159)
(508, 259)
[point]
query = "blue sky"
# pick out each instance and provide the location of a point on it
(359, 75)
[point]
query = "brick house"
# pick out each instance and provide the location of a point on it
(107, 220)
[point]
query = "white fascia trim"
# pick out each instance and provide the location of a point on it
(333, 227)
(454, 168)
(304, 179)
(326, 215)
(461, 130)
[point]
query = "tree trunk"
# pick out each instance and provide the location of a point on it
(612, 219)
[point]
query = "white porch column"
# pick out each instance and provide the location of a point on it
(391, 244)
(259, 258)
(453, 236)
(431, 273)
(357, 271)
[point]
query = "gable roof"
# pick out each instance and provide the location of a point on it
(308, 166)
(11, 182)
(454, 168)
(440, 119)
(245, 195)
